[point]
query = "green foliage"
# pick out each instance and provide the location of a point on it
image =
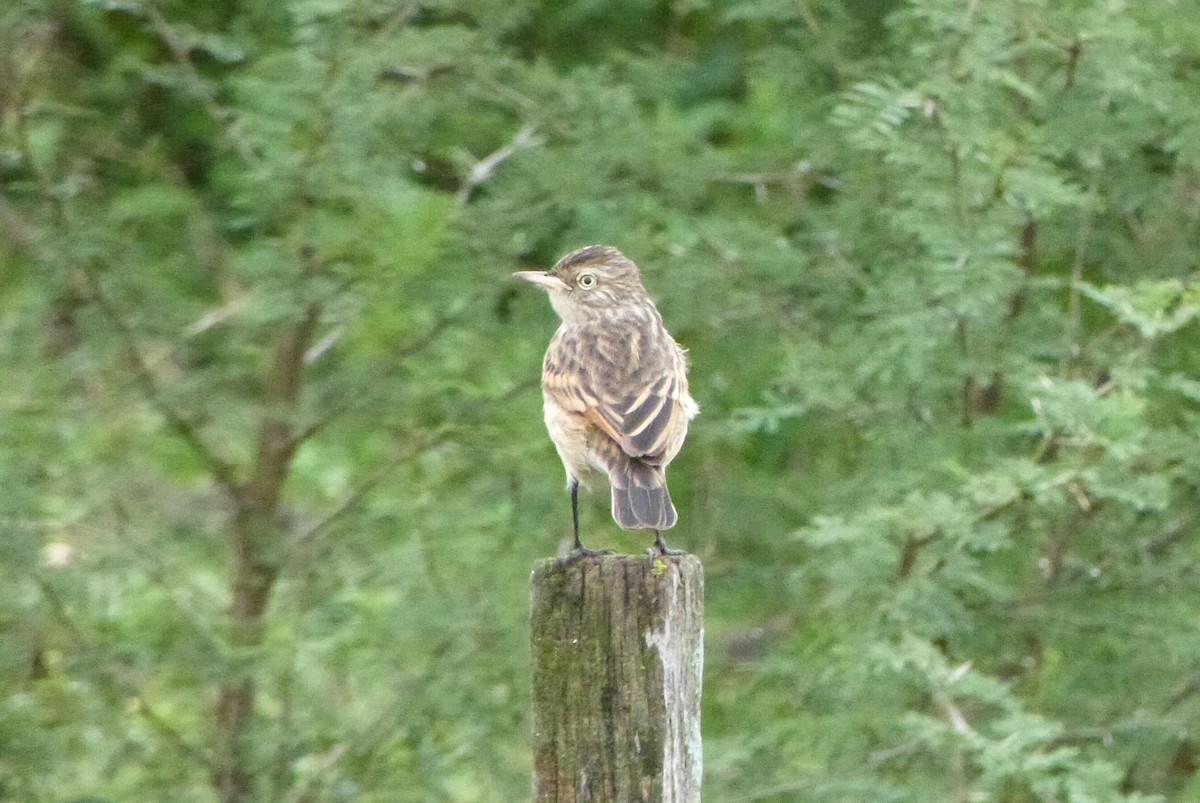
(935, 264)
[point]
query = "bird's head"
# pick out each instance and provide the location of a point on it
(590, 282)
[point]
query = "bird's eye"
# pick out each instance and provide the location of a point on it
(587, 280)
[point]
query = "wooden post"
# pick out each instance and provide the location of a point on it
(618, 650)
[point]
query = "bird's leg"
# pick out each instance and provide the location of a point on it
(580, 550)
(575, 512)
(661, 546)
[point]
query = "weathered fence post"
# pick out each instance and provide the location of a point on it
(618, 650)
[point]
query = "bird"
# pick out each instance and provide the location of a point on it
(614, 388)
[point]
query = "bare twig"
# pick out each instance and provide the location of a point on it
(483, 169)
(318, 349)
(215, 317)
(800, 179)
(954, 714)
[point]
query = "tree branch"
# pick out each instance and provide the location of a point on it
(256, 538)
(354, 401)
(277, 443)
(222, 471)
(356, 495)
(482, 170)
(800, 179)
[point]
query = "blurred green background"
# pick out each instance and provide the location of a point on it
(272, 462)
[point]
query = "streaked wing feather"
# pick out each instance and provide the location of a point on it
(648, 425)
(642, 423)
(568, 389)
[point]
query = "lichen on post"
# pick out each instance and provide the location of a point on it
(617, 662)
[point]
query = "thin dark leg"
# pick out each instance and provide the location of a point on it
(662, 547)
(580, 550)
(575, 513)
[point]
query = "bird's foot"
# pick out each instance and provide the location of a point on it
(580, 551)
(660, 547)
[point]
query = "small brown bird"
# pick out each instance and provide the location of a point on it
(615, 387)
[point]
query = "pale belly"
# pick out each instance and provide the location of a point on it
(571, 433)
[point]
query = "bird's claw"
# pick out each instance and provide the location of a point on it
(583, 552)
(660, 548)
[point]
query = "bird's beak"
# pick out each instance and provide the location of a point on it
(542, 279)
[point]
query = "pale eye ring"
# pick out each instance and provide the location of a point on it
(587, 280)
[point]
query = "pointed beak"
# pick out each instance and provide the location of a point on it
(542, 279)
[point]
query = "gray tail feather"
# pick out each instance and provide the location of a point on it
(640, 499)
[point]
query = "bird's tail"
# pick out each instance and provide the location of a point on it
(640, 499)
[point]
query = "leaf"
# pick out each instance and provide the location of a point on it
(1154, 308)
(873, 113)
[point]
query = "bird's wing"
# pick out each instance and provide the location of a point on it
(650, 419)
(645, 421)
